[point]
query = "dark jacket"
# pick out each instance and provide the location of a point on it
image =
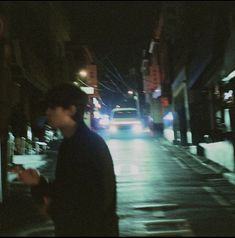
(84, 191)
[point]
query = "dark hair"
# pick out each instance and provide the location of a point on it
(66, 95)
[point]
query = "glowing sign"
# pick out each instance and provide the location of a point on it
(228, 95)
(88, 90)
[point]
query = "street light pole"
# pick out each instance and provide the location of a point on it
(137, 101)
(136, 97)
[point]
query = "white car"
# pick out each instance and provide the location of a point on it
(125, 121)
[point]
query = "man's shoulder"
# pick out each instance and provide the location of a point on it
(89, 136)
(96, 138)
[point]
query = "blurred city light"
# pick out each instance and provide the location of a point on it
(83, 73)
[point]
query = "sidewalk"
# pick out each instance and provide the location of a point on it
(202, 161)
(216, 167)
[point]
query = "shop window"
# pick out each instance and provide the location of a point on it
(227, 121)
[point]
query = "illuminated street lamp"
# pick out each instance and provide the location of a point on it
(83, 73)
(130, 92)
(81, 78)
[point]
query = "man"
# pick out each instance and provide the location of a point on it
(83, 195)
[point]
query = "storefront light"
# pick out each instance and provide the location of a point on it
(231, 75)
(228, 95)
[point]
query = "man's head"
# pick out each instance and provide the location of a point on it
(68, 98)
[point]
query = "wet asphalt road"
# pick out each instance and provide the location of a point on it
(161, 192)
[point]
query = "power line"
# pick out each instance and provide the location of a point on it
(119, 75)
(123, 94)
(88, 85)
(106, 87)
(110, 72)
(83, 83)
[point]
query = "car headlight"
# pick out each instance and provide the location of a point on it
(113, 129)
(137, 128)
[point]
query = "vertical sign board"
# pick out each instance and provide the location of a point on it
(92, 78)
(153, 81)
(92, 75)
(1, 180)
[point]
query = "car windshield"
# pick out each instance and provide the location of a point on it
(125, 114)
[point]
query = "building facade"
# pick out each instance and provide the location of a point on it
(196, 48)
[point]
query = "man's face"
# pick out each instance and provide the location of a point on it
(59, 117)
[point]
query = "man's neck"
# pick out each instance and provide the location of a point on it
(69, 130)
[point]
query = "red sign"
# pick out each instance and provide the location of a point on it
(92, 75)
(153, 81)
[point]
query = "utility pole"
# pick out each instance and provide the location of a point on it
(137, 100)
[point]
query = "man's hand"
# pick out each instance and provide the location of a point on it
(29, 176)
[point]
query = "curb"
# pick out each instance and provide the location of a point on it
(216, 168)
(230, 177)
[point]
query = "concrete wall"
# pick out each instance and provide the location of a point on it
(220, 152)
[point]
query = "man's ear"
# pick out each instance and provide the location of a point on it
(72, 110)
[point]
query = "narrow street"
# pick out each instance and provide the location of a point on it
(161, 192)
(160, 70)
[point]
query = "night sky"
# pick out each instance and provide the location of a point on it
(117, 28)
(116, 31)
